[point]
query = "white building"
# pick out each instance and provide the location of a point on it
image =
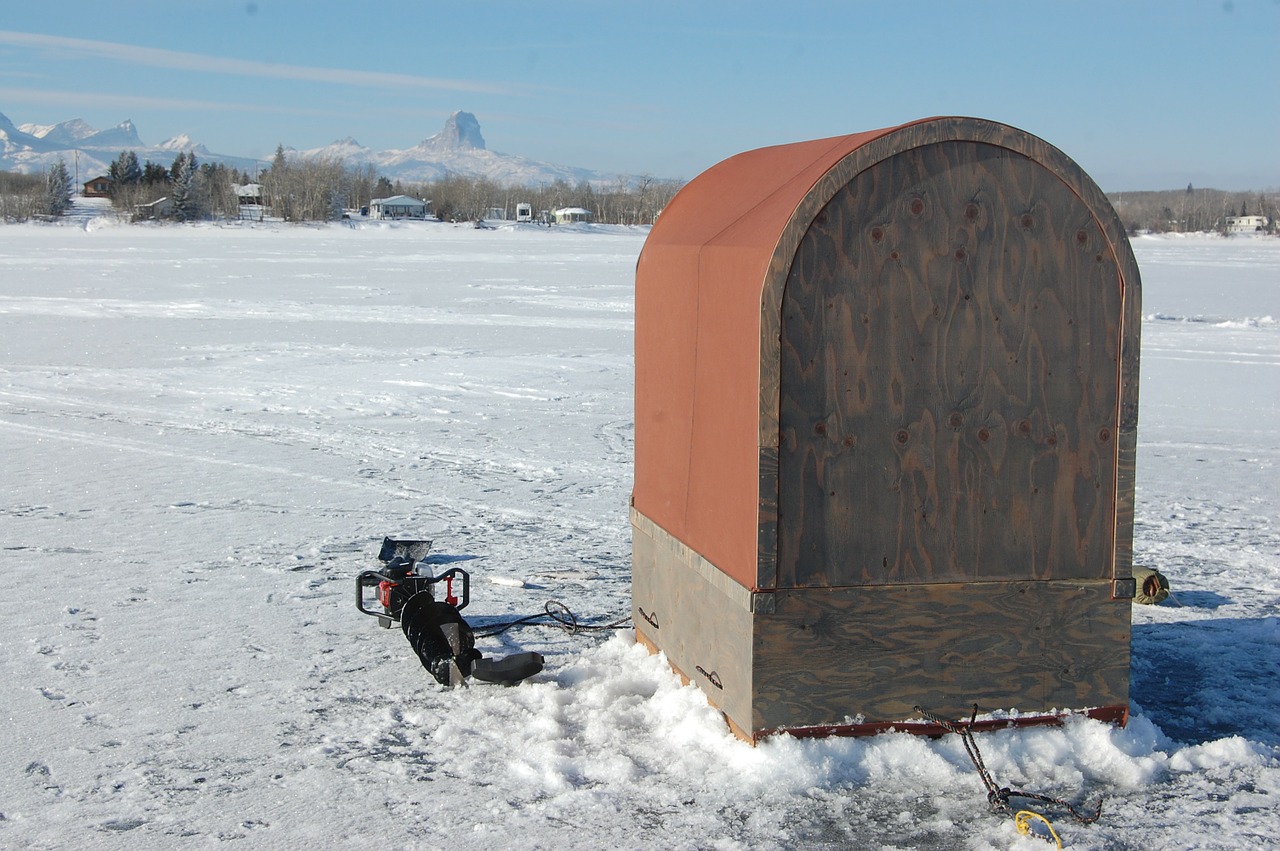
(1247, 224)
(249, 193)
(524, 212)
(566, 215)
(398, 207)
(249, 198)
(158, 209)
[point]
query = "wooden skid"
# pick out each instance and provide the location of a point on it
(1118, 715)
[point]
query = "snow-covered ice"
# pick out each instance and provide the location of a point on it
(208, 430)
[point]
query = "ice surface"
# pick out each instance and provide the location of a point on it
(207, 431)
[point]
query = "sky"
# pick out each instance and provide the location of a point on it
(1141, 94)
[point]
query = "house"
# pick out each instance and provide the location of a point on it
(250, 206)
(524, 212)
(99, 187)
(399, 207)
(567, 215)
(161, 208)
(1247, 224)
(250, 193)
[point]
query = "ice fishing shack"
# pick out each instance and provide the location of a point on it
(885, 426)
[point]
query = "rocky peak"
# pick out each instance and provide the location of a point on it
(461, 132)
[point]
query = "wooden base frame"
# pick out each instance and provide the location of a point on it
(857, 661)
(1118, 715)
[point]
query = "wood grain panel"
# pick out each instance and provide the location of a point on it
(1017, 142)
(949, 378)
(829, 656)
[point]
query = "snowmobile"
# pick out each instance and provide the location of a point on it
(435, 628)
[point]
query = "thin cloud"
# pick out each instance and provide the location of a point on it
(178, 60)
(129, 102)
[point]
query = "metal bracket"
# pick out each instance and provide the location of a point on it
(1125, 588)
(764, 603)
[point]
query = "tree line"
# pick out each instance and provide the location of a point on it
(1191, 210)
(317, 190)
(35, 196)
(635, 201)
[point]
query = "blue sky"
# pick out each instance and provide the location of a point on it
(1143, 95)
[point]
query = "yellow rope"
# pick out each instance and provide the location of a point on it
(1023, 822)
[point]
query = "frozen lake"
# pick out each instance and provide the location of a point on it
(208, 430)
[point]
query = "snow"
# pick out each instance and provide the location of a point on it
(207, 430)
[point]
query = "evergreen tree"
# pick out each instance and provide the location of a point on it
(126, 179)
(58, 190)
(154, 174)
(124, 171)
(186, 195)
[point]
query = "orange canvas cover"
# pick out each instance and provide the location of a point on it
(699, 283)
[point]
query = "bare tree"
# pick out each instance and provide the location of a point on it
(20, 196)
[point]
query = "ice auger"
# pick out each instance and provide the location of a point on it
(434, 628)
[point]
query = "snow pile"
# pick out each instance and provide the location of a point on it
(207, 431)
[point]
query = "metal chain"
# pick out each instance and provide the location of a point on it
(998, 796)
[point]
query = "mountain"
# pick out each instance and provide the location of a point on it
(121, 137)
(13, 139)
(461, 132)
(66, 133)
(459, 148)
(33, 147)
(78, 134)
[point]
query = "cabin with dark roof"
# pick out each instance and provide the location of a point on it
(98, 187)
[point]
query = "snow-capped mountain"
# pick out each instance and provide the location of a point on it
(14, 139)
(461, 132)
(459, 148)
(183, 142)
(33, 147)
(78, 134)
